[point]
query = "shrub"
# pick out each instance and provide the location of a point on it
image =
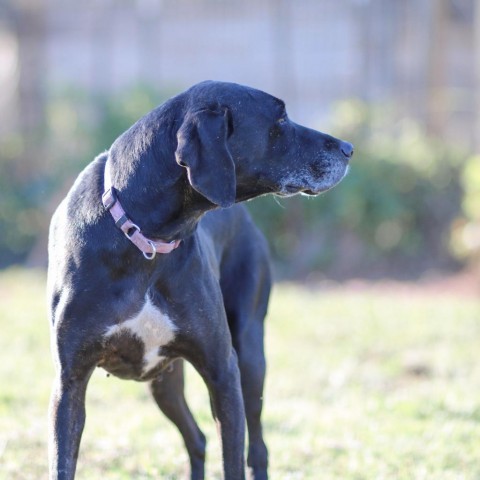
(465, 238)
(76, 128)
(390, 216)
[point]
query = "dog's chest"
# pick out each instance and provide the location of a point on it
(133, 347)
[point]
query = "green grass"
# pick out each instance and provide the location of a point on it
(370, 385)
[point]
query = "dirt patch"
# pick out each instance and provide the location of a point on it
(464, 284)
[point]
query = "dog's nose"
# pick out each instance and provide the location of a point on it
(347, 149)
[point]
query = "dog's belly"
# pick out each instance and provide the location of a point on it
(133, 348)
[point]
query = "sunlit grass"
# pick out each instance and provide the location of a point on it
(360, 386)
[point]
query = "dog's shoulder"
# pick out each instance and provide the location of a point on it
(84, 200)
(233, 230)
(228, 222)
(80, 212)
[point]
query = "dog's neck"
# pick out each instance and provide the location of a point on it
(153, 189)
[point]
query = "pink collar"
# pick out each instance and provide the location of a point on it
(148, 247)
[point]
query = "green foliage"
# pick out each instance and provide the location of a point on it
(81, 126)
(21, 197)
(465, 239)
(390, 215)
(76, 128)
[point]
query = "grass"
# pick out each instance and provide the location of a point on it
(361, 385)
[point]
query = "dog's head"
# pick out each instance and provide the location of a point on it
(238, 143)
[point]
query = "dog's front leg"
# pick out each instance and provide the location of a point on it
(222, 377)
(207, 345)
(67, 419)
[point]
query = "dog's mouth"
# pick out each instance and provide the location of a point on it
(311, 193)
(290, 190)
(312, 188)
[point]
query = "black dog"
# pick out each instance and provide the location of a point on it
(134, 305)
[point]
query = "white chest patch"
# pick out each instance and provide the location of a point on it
(153, 327)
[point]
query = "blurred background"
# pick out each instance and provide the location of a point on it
(373, 378)
(398, 78)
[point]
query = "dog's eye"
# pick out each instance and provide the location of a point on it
(276, 131)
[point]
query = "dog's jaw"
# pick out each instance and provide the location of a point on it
(305, 183)
(333, 179)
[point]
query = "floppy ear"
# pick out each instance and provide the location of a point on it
(202, 150)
